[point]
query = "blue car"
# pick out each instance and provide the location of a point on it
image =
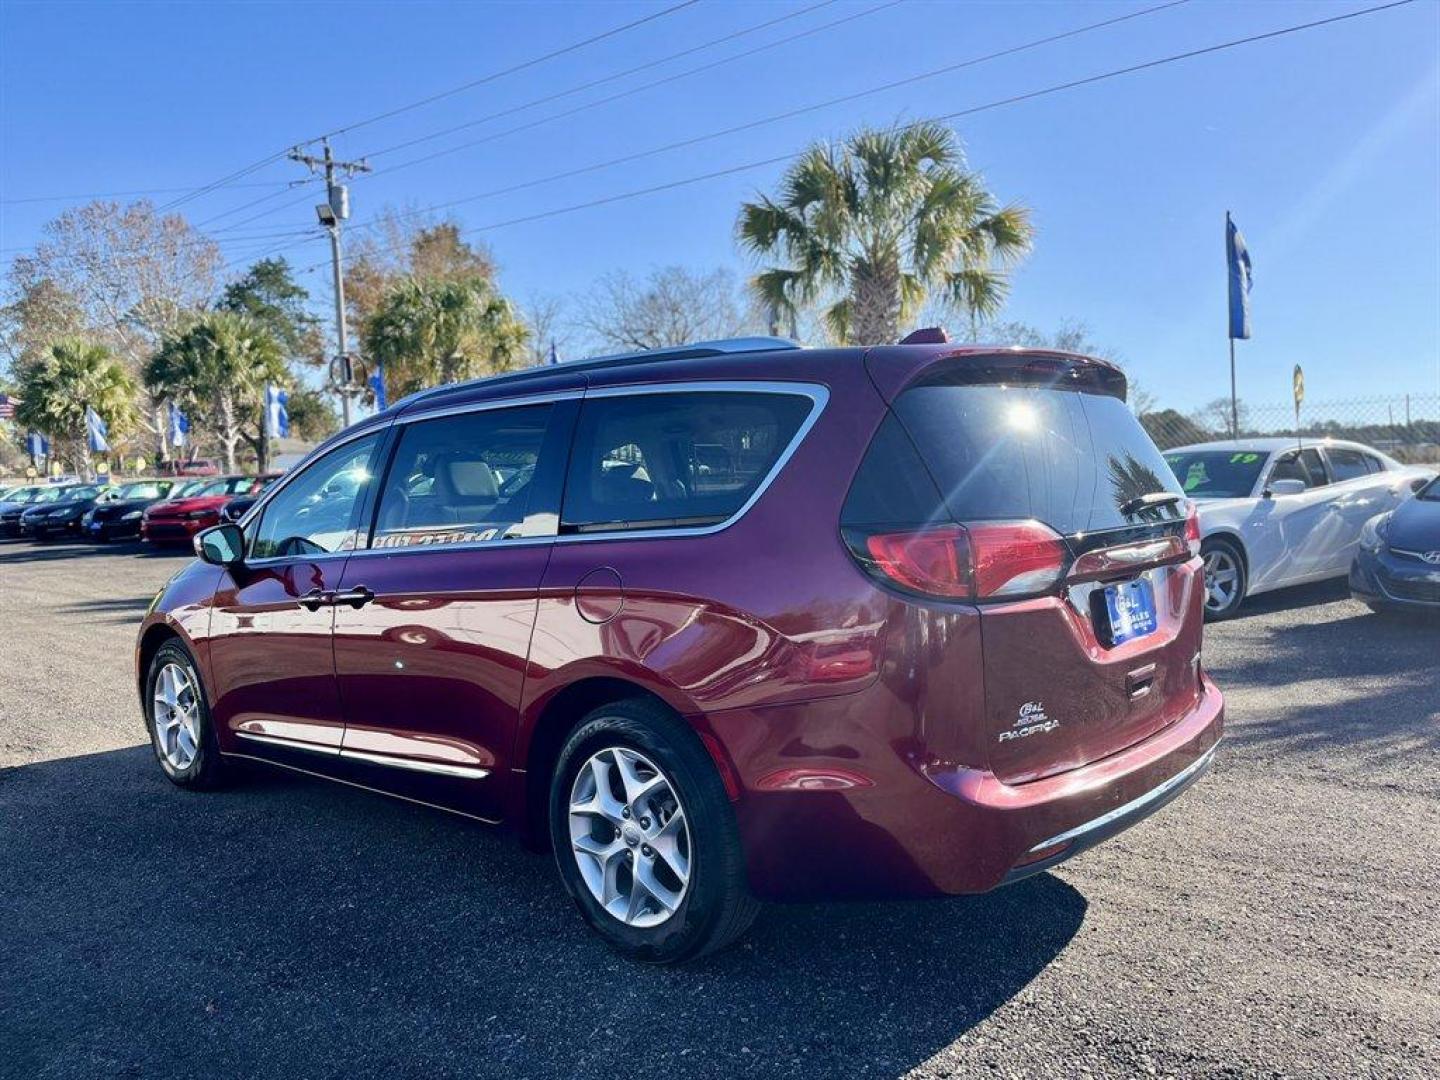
(1398, 565)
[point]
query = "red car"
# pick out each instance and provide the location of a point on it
(720, 624)
(177, 520)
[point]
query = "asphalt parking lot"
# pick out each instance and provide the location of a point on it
(1281, 919)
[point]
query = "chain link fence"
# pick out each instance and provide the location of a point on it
(1407, 426)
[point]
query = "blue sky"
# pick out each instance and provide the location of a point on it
(1324, 144)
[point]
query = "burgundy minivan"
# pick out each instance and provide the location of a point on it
(725, 623)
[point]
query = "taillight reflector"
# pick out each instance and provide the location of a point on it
(1192, 527)
(983, 561)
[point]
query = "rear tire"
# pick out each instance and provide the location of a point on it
(177, 717)
(645, 837)
(1225, 578)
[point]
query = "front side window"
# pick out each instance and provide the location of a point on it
(1302, 465)
(674, 459)
(462, 479)
(316, 512)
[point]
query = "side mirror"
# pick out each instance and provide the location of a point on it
(1284, 487)
(221, 545)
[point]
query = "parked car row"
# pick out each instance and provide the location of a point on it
(161, 510)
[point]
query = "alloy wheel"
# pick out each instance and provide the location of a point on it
(629, 836)
(1222, 580)
(176, 709)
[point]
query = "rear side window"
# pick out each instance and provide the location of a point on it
(1066, 458)
(1350, 464)
(674, 459)
(463, 479)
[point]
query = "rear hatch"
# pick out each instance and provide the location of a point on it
(1027, 487)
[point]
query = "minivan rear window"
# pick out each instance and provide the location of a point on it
(1067, 458)
(657, 460)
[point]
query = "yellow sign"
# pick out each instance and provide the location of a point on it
(30, 472)
(141, 464)
(1298, 382)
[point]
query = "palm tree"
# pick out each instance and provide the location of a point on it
(879, 223)
(216, 370)
(429, 331)
(56, 390)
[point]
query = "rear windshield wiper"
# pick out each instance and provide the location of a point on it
(1145, 502)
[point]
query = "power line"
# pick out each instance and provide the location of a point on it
(232, 179)
(581, 87)
(788, 114)
(441, 95)
(958, 114)
(636, 89)
(576, 89)
(127, 194)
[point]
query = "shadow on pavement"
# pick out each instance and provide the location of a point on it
(1386, 668)
(293, 927)
(1295, 597)
(46, 551)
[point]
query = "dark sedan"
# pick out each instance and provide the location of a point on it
(15, 507)
(60, 516)
(1398, 565)
(15, 503)
(119, 514)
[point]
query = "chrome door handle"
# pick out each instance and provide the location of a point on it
(312, 600)
(357, 597)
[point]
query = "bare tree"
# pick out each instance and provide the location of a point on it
(38, 314)
(133, 275)
(544, 316)
(671, 306)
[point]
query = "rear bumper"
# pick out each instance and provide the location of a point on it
(927, 829)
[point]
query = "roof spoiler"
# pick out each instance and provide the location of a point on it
(896, 368)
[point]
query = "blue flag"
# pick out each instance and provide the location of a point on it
(277, 412)
(96, 431)
(1241, 278)
(179, 426)
(377, 384)
(37, 445)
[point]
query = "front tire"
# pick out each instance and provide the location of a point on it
(645, 837)
(1225, 579)
(177, 716)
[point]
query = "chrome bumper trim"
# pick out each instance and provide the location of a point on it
(1135, 807)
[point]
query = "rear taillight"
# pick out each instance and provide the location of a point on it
(1192, 527)
(984, 561)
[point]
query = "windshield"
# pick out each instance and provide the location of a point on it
(54, 494)
(23, 496)
(231, 485)
(1217, 474)
(144, 489)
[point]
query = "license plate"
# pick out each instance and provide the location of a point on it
(1131, 609)
(94, 527)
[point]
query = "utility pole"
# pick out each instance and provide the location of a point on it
(332, 213)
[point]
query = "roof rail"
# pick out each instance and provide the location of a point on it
(696, 348)
(693, 350)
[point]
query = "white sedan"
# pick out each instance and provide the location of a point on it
(1275, 513)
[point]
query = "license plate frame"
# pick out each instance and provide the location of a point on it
(1129, 611)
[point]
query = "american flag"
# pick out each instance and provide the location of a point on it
(7, 406)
